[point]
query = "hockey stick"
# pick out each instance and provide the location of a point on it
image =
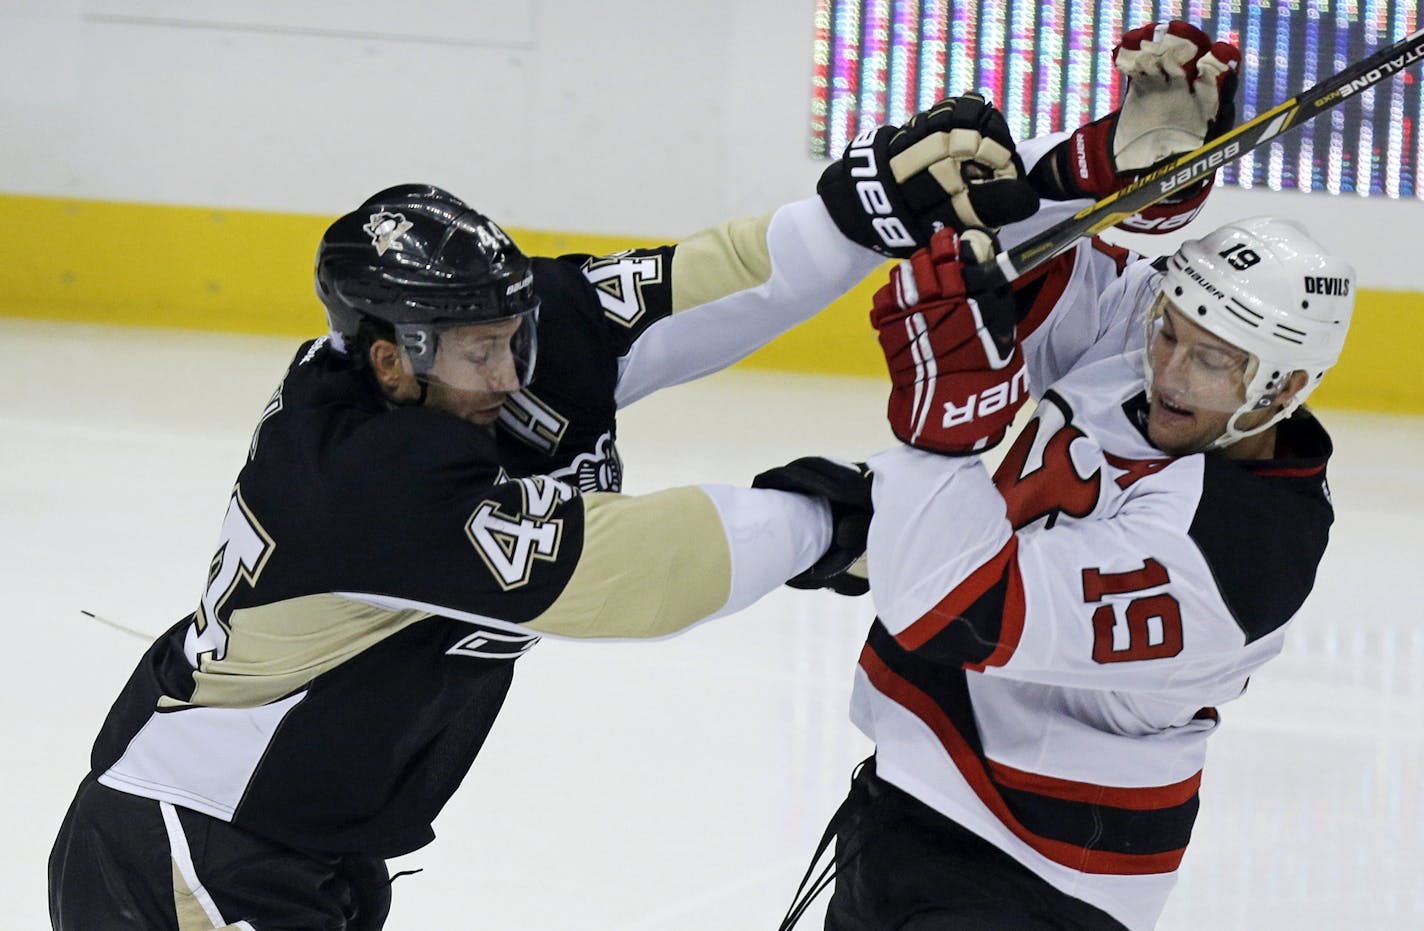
(138, 634)
(1192, 167)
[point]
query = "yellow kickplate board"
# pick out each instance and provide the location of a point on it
(250, 271)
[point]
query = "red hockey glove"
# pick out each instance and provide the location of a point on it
(956, 376)
(953, 165)
(1180, 93)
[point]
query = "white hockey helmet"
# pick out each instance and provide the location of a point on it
(1266, 287)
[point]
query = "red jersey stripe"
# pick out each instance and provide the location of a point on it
(972, 768)
(1145, 798)
(953, 605)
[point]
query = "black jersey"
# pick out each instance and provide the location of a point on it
(341, 724)
(379, 570)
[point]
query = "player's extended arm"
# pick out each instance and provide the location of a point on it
(737, 286)
(654, 564)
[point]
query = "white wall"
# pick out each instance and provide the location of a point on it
(620, 116)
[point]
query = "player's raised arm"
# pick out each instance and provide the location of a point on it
(1179, 92)
(726, 291)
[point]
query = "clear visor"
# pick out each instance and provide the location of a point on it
(476, 358)
(1190, 369)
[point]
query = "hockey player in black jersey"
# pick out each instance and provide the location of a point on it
(377, 576)
(428, 492)
(1052, 643)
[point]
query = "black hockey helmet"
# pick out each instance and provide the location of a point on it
(418, 259)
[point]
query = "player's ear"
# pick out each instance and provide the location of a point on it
(1297, 380)
(385, 359)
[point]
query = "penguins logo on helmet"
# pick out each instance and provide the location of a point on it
(385, 230)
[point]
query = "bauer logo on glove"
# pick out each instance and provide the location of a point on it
(1181, 89)
(954, 165)
(957, 377)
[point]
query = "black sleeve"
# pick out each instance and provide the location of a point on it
(1263, 530)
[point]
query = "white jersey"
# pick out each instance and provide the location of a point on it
(1052, 643)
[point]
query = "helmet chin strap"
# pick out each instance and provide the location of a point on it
(1232, 434)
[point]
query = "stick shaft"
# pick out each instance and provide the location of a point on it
(1192, 167)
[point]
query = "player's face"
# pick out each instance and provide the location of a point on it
(1198, 383)
(475, 370)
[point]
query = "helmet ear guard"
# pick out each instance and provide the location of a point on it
(1267, 288)
(417, 341)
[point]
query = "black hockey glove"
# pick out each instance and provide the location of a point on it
(846, 487)
(953, 165)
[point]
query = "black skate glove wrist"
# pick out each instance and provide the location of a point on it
(953, 165)
(845, 486)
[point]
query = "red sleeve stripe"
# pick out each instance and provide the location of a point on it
(1012, 622)
(1146, 798)
(1303, 472)
(972, 768)
(954, 605)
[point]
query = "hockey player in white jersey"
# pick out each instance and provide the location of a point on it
(1052, 642)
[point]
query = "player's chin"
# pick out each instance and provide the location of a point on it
(479, 409)
(484, 416)
(1173, 429)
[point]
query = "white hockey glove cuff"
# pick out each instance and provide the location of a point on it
(1175, 78)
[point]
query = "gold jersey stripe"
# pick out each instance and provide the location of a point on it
(719, 261)
(651, 565)
(191, 916)
(275, 649)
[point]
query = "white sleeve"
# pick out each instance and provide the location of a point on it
(1085, 300)
(1081, 309)
(937, 519)
(772, 536)
(737, 287)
